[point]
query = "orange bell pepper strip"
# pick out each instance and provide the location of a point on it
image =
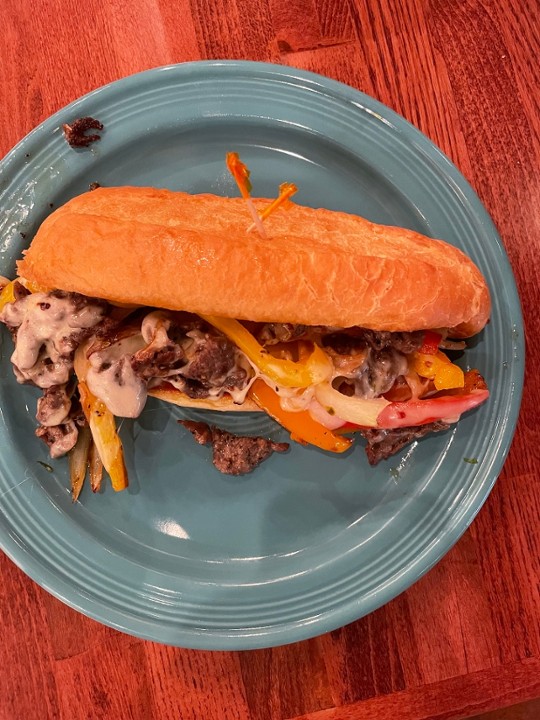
(301, 425)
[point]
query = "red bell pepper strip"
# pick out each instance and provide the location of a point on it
(422, 412)
(430, 346)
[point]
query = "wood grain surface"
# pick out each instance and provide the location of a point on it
(464, 639)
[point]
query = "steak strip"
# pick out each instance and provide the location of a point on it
(382, 444)
(233, 454)
(76, 133)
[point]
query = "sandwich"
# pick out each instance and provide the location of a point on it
(333, 325)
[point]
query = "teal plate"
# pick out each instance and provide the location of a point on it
(308, 542)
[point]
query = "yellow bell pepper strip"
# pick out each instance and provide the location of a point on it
(33, 287)
(241, 174)
(300, 424)
(8, 291)
(7, 295)
(445, 374)
(103, 428)
(108, 443)
(421, 412)
(286, 191)
(316, 369)
(78, 462)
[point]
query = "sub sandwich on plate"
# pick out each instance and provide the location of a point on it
(334, 326)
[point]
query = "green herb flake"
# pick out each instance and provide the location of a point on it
(47, 467)
(394, 473)
(471, 461)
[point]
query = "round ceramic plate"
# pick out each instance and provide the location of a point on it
(308, 541)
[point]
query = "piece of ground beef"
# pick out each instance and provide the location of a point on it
(233, 454)
(76, 133)
(382, 444)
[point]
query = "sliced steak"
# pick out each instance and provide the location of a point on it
(233, 454)
(382, 444)
(214, 358)
(344, 344)
(59, 438)
(403, 342)
(77, 134)
(157, 362)
(202, 432)
(356, 339)
(184, 322)
(272, 333)
(192, 388)
(54, 406)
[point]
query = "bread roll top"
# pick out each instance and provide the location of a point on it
(317, 267)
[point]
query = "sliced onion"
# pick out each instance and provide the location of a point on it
(352, 409)
(78, 461)
(417, 384)
(453, 344)
(321, 415)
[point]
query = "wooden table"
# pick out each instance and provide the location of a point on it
(464, 639)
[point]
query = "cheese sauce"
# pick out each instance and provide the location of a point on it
(47, 328)
(111, 378)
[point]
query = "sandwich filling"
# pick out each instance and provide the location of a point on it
(390, 387)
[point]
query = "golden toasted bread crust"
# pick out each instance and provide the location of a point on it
(317, 267)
